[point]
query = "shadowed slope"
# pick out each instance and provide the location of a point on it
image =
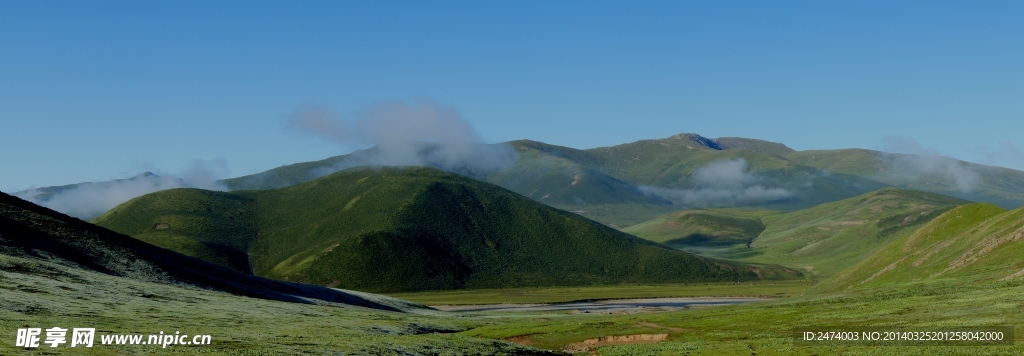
(30, 232)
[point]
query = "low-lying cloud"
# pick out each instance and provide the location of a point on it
(1004, 154)
(722, 183)
(88, 200)
(404, 134)
(907, 160)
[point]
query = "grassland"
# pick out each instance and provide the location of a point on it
(767, 328)
(31, 295)
(982, 242)
(973, 244)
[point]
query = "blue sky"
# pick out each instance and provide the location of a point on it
(99, 90)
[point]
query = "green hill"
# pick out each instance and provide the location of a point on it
(404, 229)
(822, 240)
(975, 244)
(40, 242)
(703, 231)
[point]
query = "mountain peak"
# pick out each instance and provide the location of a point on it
(701, 140)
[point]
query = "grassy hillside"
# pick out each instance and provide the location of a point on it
(970, 245)
(42, 241)
(57, 271)
(703, 230)
(405, 229)
(831, 237)
(822, 240)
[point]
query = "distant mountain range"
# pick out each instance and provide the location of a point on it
(626, 184)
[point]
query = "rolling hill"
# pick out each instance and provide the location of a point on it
(405, 229)
(977, 244)
(822, 240)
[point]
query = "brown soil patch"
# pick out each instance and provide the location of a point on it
(983, 248)
(588, 344)
(886, 269)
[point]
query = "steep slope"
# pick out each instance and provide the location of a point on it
(37, 240)
(831, 237)
(403, 229)
(975, 244)
(822, 240)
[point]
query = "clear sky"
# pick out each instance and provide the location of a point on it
(95, 90)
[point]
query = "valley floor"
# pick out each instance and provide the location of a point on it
(33, 297)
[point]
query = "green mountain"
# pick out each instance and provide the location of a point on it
(405, 229)
(822, 240)
(976, 244)
(41, 242)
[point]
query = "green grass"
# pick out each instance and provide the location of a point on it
(32, 295)
(831, 237)
(45, 290)
(821, 240)
(765, 328)
(765, 289)
(973, 244)
(699, 231)
(407, 229)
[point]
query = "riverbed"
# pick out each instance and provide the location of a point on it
(605, 306)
